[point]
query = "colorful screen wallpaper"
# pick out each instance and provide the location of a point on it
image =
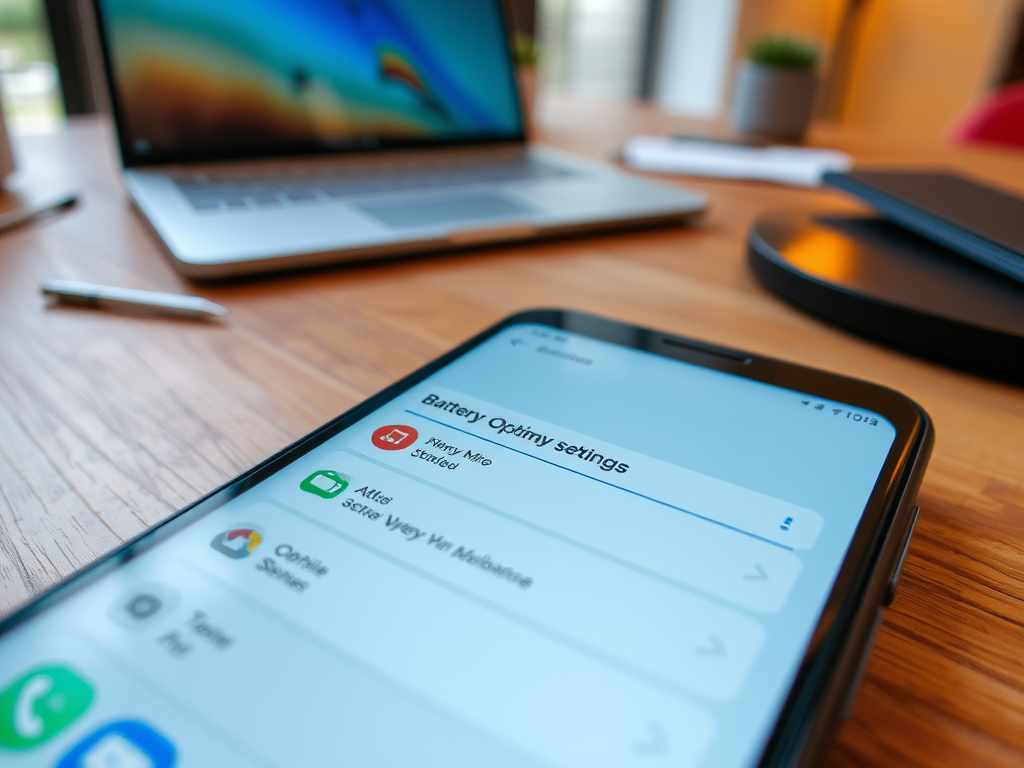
(195, 76)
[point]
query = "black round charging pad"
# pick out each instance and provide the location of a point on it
(880, 280)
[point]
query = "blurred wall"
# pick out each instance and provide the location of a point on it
(811, 19)
(913, 67)
(922, 64)
(696, 52)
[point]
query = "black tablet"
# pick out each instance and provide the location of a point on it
(976, 220)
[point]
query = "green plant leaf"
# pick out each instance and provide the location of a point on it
(525, 50)
(783, 51)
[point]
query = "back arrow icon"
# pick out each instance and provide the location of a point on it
(656, 742)
(715, 647)
(759, 574)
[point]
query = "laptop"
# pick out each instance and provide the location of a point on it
(259, 135)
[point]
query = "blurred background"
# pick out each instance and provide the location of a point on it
(904, 69)
(901, 70)
(29, 84)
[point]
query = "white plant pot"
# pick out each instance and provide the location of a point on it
(776, 102)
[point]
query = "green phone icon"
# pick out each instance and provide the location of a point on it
(41, 704)
(326, 483)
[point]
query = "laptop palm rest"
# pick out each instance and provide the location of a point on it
(419, 212)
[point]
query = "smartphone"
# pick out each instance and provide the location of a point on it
(977, 221)
(568, 542)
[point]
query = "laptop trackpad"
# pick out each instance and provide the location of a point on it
(418, 212)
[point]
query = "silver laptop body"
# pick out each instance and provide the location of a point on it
(245, 152)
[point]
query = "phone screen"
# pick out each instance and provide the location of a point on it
(555, 550)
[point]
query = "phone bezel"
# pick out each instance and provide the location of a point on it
(808, 706)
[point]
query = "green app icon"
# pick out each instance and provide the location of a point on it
(326, 483)
(41, 704)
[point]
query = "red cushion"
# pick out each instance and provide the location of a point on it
(999, 120)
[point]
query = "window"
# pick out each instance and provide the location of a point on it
(592, 47)
(28, 78)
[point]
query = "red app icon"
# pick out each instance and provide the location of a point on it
(394, 437)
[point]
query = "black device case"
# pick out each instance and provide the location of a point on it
(977, 221)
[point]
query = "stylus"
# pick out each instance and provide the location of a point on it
(130, 299)
(19, 216)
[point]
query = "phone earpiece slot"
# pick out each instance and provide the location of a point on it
(707, 349)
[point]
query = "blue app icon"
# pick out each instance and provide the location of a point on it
(124, 744)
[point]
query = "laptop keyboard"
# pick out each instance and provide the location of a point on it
(212, 194)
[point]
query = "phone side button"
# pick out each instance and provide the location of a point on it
(890, 590)
(862, 666)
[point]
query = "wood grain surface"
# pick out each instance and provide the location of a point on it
(109, 423)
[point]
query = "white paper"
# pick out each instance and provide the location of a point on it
(798, 166)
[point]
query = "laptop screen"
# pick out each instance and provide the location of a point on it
(202, 79)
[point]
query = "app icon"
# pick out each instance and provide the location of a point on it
(394, 437)
(124, 744)
(140, 607)
(237, 543)
(326, 483)
(41, 704)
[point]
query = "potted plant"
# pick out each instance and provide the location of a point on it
(775, 88)
(526, 56)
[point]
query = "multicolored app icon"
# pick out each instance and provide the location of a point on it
(40, 704)
(124, 744)
(237, 543)
(325, 483)
(394, 437)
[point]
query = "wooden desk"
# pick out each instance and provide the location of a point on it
(109, 423)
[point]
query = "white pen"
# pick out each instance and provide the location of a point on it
(110, 297)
